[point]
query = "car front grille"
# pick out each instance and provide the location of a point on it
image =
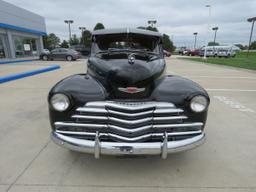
(129, 122)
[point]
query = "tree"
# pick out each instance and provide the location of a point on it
(253, 45)
(240, 46)
(148, 28)
(213, 43)
(167, 43)
(98, 26)
(86, 38)
(51, 41)
(64, 44)
(74, 40)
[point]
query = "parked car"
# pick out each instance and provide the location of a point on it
(46, 51)
(125, 104)
(194, 52)
(167, 53)
(60, 53)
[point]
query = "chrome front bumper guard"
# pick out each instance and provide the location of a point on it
(115, 148)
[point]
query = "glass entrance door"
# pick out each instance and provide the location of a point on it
(2, 48)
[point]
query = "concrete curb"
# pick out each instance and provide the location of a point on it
(26, 74)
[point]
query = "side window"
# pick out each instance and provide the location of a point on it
(63, 50)
(55, 51)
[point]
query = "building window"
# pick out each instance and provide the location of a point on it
(25, 47)
(2, 48)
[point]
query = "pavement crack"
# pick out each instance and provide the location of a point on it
(29, 164)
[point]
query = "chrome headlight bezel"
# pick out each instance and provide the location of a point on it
(199, 103)
(60, 102)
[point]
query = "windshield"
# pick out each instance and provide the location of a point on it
(126, 42)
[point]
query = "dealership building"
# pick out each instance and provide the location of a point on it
(21, 32)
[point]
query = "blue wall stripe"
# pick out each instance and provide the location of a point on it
(16, 61)
(26, 74)
(23, 29)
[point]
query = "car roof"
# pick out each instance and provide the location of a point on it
(126, 30)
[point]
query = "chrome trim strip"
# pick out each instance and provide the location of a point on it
(170, 118)
(161, 111)
(91, 110)
(131, 122)
(130, 114)
(115, 103)
(155, 126)
(60, 124)
(115, 136)
(197, 124)
(101, 110)
(89, 117)
(120, 148)
(128, 130)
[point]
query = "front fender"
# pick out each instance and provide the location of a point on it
(180, 91)
(80, 88)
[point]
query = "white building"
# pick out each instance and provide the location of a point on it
(21, 32)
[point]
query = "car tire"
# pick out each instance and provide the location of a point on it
(69, 58)
(45, 58)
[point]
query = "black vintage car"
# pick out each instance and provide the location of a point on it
(125, 104)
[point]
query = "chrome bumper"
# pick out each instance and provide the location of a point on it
(120, 148)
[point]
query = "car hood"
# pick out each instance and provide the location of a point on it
(118, 73)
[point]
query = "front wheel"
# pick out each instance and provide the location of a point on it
(45, 58)
(69, 58)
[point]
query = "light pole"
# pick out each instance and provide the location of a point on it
(82, 29)
(215, 29)
(208, 30)
(195, 34)
(253, 19)
(69, 29)
(152, 23)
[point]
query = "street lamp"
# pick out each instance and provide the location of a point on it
(152, 23)
(253, 19)
(215, 29)
(82, 29)
(195, 34)
(208, 30)
(69, 29)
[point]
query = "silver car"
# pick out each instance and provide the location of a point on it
(60, 54)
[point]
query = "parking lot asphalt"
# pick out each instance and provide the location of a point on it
(29, 161)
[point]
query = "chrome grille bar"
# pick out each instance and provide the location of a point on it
(129, 121)
(130, 139)
(128, 130)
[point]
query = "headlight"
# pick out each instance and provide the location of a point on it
(198, 103)
(60, 102)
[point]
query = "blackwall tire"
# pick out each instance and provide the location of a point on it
(45, 58)
(69, 58)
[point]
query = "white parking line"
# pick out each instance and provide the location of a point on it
(234, 104)
(233, 90)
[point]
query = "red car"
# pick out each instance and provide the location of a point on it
(194, 52)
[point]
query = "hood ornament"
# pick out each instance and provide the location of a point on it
(131, 90)
(131, 58)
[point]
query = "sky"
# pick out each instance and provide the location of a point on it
(177, 18)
